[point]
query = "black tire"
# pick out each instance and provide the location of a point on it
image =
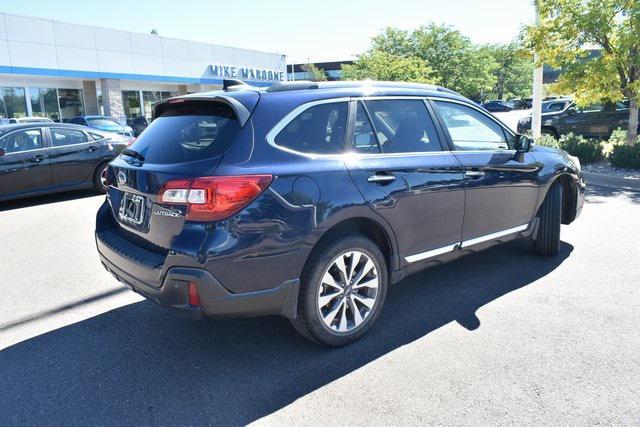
(547, 241)
(309, 321)
(97, 178)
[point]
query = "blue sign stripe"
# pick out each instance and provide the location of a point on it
(50, 72)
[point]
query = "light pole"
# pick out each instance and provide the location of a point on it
(536, 113)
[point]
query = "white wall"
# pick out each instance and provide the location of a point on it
(41, 43)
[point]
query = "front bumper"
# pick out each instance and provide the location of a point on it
(139, 270)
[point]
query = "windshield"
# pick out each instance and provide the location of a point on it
(553, 106)
(104, 124)
(188, 132)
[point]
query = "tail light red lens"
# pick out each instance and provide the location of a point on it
(194, 297)
(131, 141)
(213, 198)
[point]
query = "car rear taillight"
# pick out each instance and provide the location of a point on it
(213, 198)
(194, 297)
(131, 141)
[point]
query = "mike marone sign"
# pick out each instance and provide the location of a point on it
(243, 73)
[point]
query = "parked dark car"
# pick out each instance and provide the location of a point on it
(138, 124)
(523, 104)
(307, 200)
(40, 158)
(497, 106)
(561, 116)
(103, 123)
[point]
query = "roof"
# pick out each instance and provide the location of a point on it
(17, 126)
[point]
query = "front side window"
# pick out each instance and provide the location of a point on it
(364, 139)
(60, 137)
(469, 129)
(317, 130)
(403, 126)
(22, 140)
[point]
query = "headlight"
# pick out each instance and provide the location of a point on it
(576, 162)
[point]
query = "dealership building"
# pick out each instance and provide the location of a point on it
(61, 70)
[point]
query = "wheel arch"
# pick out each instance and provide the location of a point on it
(368, 228)
(569, 196)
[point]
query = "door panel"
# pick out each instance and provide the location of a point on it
(73, 156)
(420, 194)
(501, 192)
(25, 167)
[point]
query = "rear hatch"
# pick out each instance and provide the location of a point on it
(186, 140)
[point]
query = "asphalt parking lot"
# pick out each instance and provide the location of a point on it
(501, 337)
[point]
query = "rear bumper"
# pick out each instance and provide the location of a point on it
(141, 271)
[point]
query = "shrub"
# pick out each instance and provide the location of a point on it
(618, 137)
(587, 150)
(547, 141)
(625, 156)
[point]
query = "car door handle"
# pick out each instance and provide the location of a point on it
(38, 158)
(381, 179)
(93, 148)
(474, 174)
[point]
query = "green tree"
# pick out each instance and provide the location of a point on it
(379, 65)
(513, 70)
(569, 29)
(315, 73)
(454, 61)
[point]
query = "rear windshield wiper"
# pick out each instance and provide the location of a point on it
(134, 154)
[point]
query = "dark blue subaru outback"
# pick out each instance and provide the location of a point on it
(308, 200)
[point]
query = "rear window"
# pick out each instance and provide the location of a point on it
(188, 132)
(319, 130)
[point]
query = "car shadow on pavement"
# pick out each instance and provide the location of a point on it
(46, 199)
(595, 191)
(139, 364)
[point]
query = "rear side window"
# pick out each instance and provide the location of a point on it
(188, 132)
(403, 126)
(318, 130)
(60, 137)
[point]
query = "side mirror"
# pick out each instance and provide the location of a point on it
(571, 111)
(522, 143)
(363, 140)
(2, 151)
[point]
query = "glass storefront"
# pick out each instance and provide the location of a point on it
(131, 103)
(71, 104)
(12, 102)
(149, 98)
(44, 103)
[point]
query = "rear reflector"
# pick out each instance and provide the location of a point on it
(213, 198)
(194, 298)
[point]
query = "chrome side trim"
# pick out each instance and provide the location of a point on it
(492, 236)
(450, 248)
(432, 253)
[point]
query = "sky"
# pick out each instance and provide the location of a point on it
(313, 31)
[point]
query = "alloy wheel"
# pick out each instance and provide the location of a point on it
(348, 292)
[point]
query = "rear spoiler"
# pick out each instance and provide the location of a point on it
(242, 113)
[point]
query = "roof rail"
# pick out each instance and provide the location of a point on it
(296, 85)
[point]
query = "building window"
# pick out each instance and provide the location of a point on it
(44, 103)
(149, 98)
(12, 102)
(70, 101)
(166, 95)
(131, 103)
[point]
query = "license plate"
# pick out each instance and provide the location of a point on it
(132, 209)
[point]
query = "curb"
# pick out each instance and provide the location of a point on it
(611, 181)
